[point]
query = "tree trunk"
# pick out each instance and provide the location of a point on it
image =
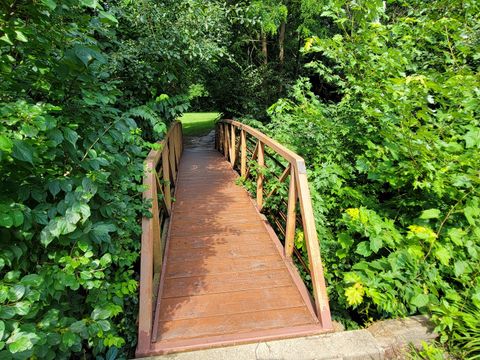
(264, 48)
(281, 42)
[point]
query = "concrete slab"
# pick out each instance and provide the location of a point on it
(348, 345)
(395, 336)
(383, 340)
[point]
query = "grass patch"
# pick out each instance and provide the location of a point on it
(198, 124)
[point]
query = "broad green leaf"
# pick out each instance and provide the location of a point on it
(421, 300)
(364, 249)
(23, 151)
(32, 280)
(83, 245)
(70, 135)
(105, 260)
(72, 216)
(376, 243)
(83, 209)
(54, 187)
(5, 144)
(51, 4)
(442, 254)
(18, 218)
(6, 312)
(460, 267)
(69, 339)
(457, 235)
(100, 314)
(6, 220)
(430, 214)
(16, 292)
(354, 294)
(87, 55)
(6, 39)
(100, 232)
(471, 213)
(472, 138)
(90, 3)
(20, 36)
(21, 341)
(2, 329)
(22, 307)
(107, 17)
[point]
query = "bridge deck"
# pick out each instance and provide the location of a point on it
(225, 279)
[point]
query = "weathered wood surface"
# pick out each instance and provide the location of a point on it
(225, 278)
(292, 166)
(160, 168)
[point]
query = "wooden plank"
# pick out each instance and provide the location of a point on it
(225, 250)
(234, 302)
(232, 241)
(220, 266)
(224, 283)
(256, 336)
(237, 323)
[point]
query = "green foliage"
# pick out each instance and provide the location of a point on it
(80, 95)
(428, 352)
(394, 159)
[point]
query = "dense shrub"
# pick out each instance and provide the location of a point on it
(394, 162)
(78, 98)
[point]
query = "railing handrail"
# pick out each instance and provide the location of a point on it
(297, 189)
(170, 149)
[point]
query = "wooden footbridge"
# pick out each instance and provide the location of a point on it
(218, 267)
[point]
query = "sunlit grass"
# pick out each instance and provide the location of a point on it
(198, 124)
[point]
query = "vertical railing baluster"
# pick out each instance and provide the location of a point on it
(243, 153)
(225, 140)
(232, 146)
(171, 156)
(291, 215)
(260, 176)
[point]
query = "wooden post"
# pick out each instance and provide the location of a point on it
(146, 272)
(166, 178)
(291, 215)
(171, 156)
(261, 165)
(225, 140)
(177, 140)
(243, 153)
(232, 146)
(181, 138)
(313, 248)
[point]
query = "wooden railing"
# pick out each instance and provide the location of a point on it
(161, 168)
(252, 152)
